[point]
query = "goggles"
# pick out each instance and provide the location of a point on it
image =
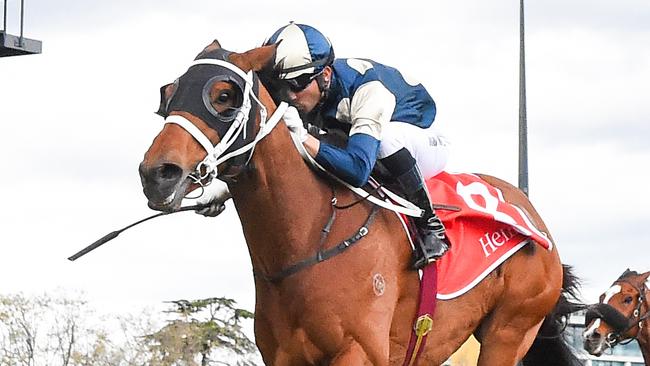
(299, 83)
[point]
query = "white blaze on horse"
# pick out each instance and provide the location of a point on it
(333, 285)
(622, 315)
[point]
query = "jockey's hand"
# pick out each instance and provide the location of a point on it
(294, 123)
(212, 210)
(214, 196)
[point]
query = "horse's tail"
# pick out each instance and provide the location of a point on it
(551, 347)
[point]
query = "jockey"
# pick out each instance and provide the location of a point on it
(388, 118)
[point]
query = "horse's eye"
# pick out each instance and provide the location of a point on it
(628, 300)
(223, 97)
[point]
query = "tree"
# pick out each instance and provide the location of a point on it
(63, 330)
(21, 318)
(198, 330)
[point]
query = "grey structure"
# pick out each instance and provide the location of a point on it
(11, 45)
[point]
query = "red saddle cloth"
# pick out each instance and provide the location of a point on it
(483, 234)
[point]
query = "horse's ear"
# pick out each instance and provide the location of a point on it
(645, 276)
(166, 94)
(215, 45)
(255, 59)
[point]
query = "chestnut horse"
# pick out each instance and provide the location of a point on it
(621, 315)
(330, 311)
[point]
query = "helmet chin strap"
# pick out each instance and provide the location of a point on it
(324, 87)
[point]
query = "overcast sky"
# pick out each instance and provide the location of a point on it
(76, 120)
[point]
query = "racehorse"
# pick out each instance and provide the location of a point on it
(620, 316)
(331, 311)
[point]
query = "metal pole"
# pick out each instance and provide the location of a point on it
(22, 18)
(4, 15)
(523, 128)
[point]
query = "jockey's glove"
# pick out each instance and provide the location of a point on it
(294, 123)
(214, 196)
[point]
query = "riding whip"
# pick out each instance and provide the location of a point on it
(112, 235)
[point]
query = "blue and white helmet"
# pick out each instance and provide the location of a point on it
(303, 51)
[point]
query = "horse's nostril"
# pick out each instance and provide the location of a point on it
(164, 175)
(169, 172)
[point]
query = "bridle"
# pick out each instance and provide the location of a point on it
(616, 320)
(235, 129)
(239, 127)
(237, 144)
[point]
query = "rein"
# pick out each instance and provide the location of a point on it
(619, 322)
(206, 170)
(230, 139)
(401, 205)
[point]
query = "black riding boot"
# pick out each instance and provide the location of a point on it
(430, 227)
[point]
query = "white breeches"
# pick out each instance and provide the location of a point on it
(427, 145)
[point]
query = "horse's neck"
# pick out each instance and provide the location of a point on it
(644, 333)
(281, 204)
(644, 343)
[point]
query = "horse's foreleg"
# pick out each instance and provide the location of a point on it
(354, 355)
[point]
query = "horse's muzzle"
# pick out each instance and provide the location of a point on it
(595, 343)
(164, 185)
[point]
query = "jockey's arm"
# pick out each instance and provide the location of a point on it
(312, 145)
(371, 107)
(352, 164)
